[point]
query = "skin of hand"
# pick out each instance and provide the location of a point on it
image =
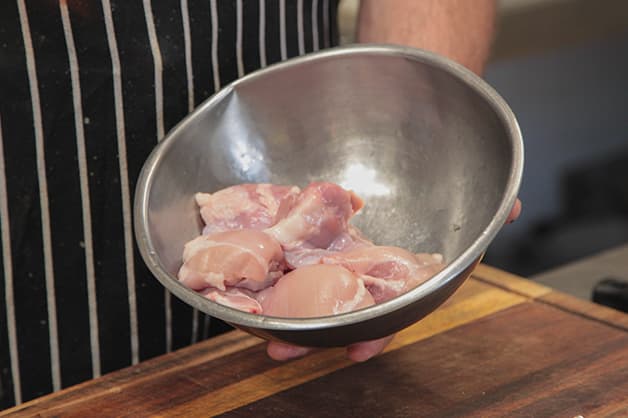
(461, 30)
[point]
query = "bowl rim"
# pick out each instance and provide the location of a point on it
(474, 252)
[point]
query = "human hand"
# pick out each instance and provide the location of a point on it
(514, 212)
(358, 352)
(361, 351)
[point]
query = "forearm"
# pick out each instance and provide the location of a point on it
(459, 29)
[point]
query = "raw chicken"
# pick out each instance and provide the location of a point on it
(313, 291)
(317, 221)
(234, 298)
(246, 206)
(387, 271)
(319, 215)
(279, 251)
(345, 241)
(245, 258)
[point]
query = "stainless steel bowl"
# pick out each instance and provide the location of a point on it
(433, 150)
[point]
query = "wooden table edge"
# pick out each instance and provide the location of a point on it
(521, 290)
(547, 295)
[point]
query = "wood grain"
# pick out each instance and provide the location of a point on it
(529, 360)
(601, 313)
(501, 346)
(509, 281)
(115, 385)
(531, 289)
(471, 305)
(233, 369)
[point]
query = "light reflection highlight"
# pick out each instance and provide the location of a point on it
(363, 181)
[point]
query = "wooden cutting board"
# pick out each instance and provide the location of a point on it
(501, 346)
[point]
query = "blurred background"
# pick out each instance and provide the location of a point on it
(562, 65)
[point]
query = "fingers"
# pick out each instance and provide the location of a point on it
(365, 350)
(514, 212)
(281, 351)
(356, 352)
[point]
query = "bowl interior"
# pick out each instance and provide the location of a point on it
(433, 158)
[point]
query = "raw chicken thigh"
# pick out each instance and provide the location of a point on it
(246, 206)
(320, 214)
(280, 251)
(245, 258)
(318, 290)
(318, 224)
(387, 271)
(235, 298)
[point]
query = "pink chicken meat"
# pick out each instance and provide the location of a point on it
(387, 271)
(280, 251)
(317, 290)
(318, 224)
(234, 297)
(320, 214)
(245, 258)
(246, 206)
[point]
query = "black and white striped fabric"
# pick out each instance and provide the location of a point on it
(87, 88)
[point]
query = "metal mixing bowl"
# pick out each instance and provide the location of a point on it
(433, 150)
